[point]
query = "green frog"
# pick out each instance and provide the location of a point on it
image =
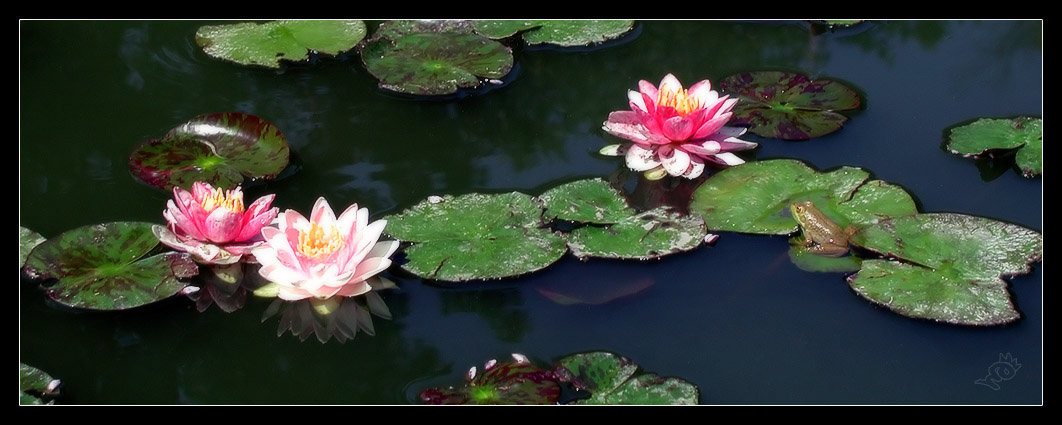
(821, 235)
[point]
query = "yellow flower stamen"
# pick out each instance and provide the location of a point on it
(319, 241)
(677, 98)
(231, 200)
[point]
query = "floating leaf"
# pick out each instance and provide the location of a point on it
(433, 58)
(476, 236)
(248, 43)
(608, 378)
(221, 149)
(949, 266)
(587, 201)
(101, 267)
(34, 386)
(559, 32)
(788, 106)
(650, 234)
(516, 382)
(27, 240)
(986, 135)
(755, 197)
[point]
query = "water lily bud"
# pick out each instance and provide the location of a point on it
(520, 358)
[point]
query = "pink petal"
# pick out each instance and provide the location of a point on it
(702, 91)
(704, 149)
(648, 89)
(712, 125)
(222, 225)
(633, 132)
(678, 128)
(354, 289)
(322, 214)
(728, 159)
(253, 225)
(636, 101)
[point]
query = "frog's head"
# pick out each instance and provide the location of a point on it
(800, 209)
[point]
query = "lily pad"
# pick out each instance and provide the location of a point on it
(435, 58)
(558, 32)
(34, 386)
(476, 236)
(249, 43)
(587, 201)
(27, 240)
(221, 149)
(755, 197)
(949, 267)
(1024, 134)
(788, 106)
(610, 380)
(106, 267)
(649, 234)
(515, 382)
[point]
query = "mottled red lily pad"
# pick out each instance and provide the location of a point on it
(109, 267)
(514, 382)
(788, 106)
(222, 149)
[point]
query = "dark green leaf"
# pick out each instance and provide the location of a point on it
(650, 234)
(559, 32)
(248, 43)
(101, 267)
(587, 201)
(810, 262)
(27, 240)
(221, 149)
(437, 59)
(34, 386)
(755, 197)
(608, 378)
(986, 135)
(476, 236)
(949, 266)
(788, 106)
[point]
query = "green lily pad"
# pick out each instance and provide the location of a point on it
(27, 240)
(103, 267)
(516, 382)
(586, 201)
(810, 262)
(610, 380)
(475, 236)
(34, 386)
(222, 149)
(433, 58)
(789, 106)
(616, 230)
(248, 43)
(949, 267)
(649, 234)
(558, 32)
(1025, 134)
(755, 197)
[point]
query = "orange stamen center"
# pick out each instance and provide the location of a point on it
(677, 98)
(319, 241)
(231, 200)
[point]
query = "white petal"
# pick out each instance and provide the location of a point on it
(729, 158)
(641, 159)
(636, 99)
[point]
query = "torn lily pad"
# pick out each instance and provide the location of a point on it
(222, 149)
(475, 236)
(433, 57)
(755, 197)
(614, 229)
(109, 267)
(789, 106)
(35, 387)
(558, 32)
(986, 135)
(947, 267)
(610, 379)
(266, 44)
(27, 240)
(513, 382)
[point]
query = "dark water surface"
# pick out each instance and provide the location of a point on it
(737, 319)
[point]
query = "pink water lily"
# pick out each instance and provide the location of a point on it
(213, 225)
(675, 130)
(324, 256)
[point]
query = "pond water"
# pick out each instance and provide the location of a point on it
(737, 319)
